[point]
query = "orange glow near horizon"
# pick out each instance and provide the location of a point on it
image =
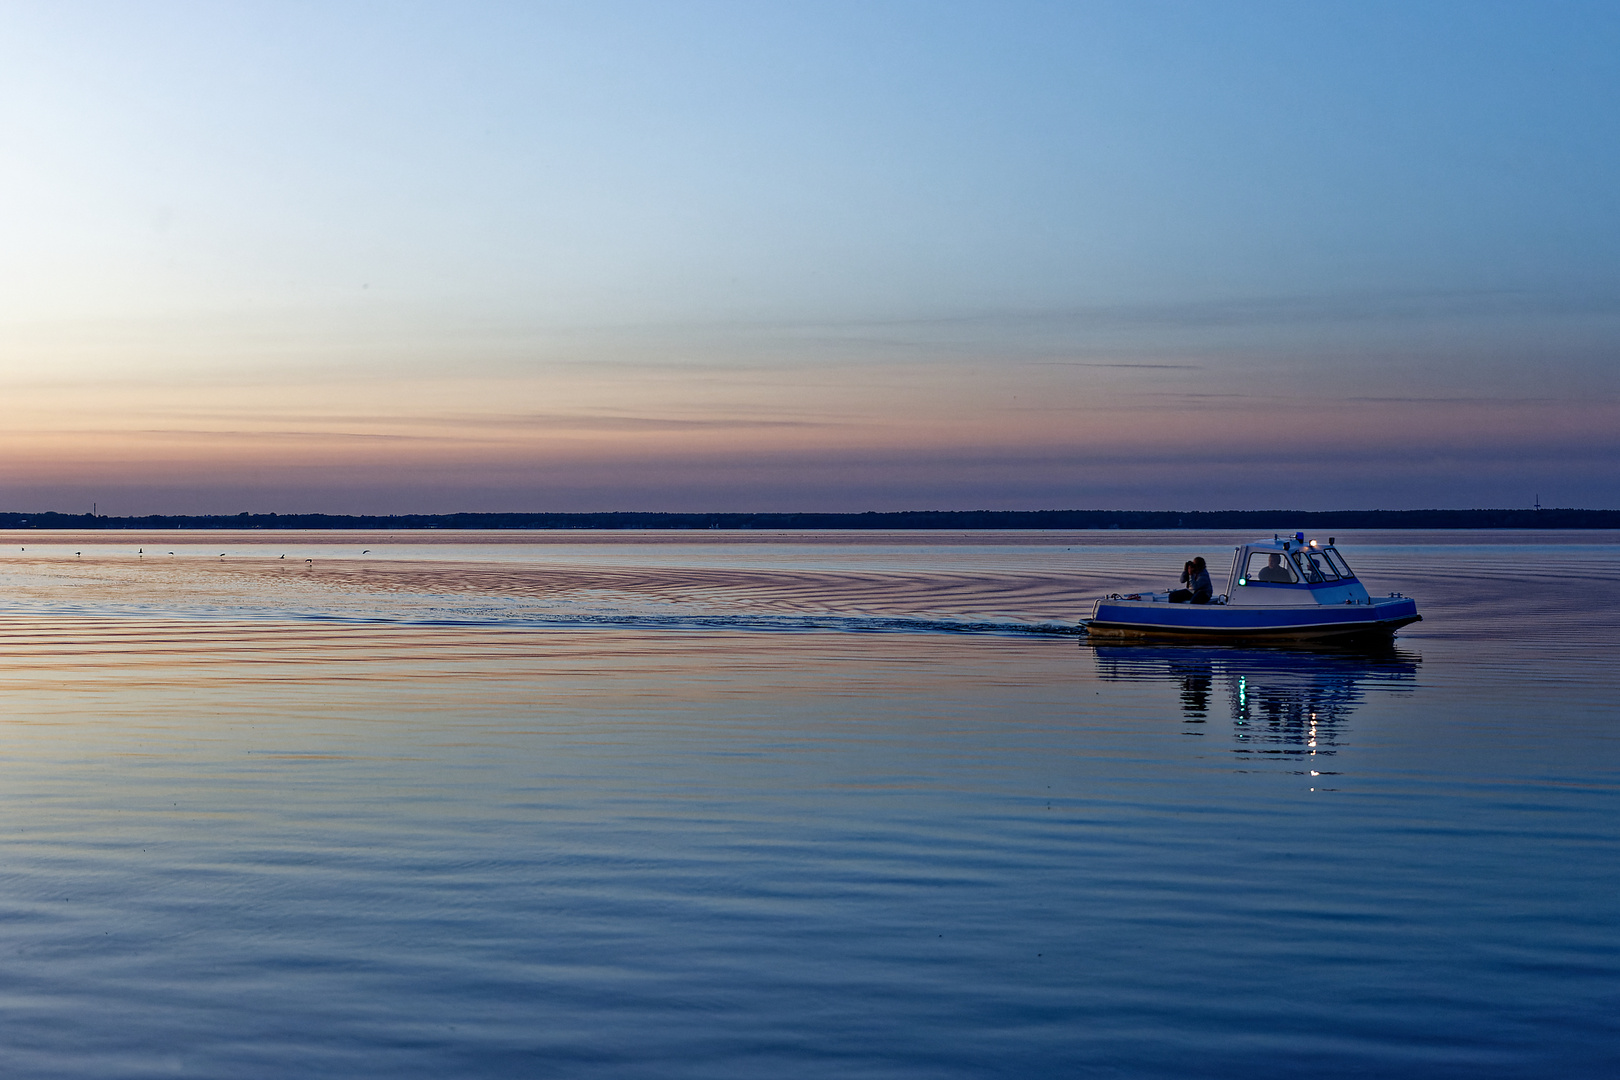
(890, 427)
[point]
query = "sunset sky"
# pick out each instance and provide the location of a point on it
(434, 257)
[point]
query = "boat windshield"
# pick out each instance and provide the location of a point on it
(1337, 561)
(1262, 569)
(1313, 567)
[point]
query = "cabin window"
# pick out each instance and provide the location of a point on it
(1313, 568)
(1262, 571)
(1337, 562)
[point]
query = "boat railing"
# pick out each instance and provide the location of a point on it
(1154, 597)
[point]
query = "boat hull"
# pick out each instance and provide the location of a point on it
(1141, 619)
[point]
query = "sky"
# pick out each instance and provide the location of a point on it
(415, 257)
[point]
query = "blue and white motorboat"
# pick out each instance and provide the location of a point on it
(1282, 589)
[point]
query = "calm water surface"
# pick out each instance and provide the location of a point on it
(759, 804)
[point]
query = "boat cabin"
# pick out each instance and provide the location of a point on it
(1289, 571)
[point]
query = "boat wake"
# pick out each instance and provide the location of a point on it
(802, 623)
(909, 600)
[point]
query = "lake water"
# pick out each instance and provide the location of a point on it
(823, 805)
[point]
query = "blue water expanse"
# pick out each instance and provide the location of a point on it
(843, 805)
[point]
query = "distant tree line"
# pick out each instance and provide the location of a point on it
(1252, 520)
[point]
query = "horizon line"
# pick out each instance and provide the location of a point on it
(1080, 519)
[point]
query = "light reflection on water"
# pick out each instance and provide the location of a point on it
(393, 818)
(1292, 702)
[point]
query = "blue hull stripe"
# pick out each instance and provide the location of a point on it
(1219, 618)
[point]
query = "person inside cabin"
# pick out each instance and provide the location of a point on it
(1274, 570)
(1195, 575)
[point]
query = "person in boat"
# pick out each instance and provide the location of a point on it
(1274, 570)
(1195, 575)
(1181, 596)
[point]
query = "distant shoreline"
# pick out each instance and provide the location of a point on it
(1255, 520)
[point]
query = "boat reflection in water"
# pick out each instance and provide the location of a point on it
(1283, 701)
